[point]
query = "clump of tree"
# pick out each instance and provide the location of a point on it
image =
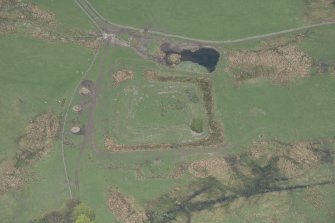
(73, 211)
(197, 125)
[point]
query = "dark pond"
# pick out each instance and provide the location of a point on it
(206, 57)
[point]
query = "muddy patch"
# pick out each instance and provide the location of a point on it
(86, 87)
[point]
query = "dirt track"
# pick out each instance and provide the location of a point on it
(105, 25)
(89, 137)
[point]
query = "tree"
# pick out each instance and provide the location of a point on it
(83, 209)
(83, 219)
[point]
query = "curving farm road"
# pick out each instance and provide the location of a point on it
(97, 18)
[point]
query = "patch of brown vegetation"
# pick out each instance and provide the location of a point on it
(38, 13)
(16, 11)
(6, 28)
(303, 154)
(39, 136)
(38, 23)
(35, 143)
(218, 168)
(122, 76)
(173, 59)
(288, 168)
(4, 4)
(290, 160)
(278, 64)
(314, 197)
(39, 32)
(124, 208)
(112, 146)
(10, 176)
(150, 75)
(320, 10)
(179, 171)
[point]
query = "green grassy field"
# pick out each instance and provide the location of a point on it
(217, 19)
(67, 13)
(34, 80)
(36, 75)
(100, 172)
(266, 111)
(143, 112)
(318, 44)
(300, 110)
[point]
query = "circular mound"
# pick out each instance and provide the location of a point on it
(86, 87)
(77, 108)
(75, 130)
(84, 91)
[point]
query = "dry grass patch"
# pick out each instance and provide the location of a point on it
(122, 76)
(288, 168)
(151, 75)
(279, 64)
(304, 155)
(297, 159)
(39, 136)
(34, 144)
(218, 168)
(288, 160)
(314, 197)
(6, 28)
(31, 20)
(124, 208)
(10, 176)
(320, 10)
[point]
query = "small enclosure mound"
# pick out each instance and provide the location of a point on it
(87, 87)
(122, 76)
(75, 130)
(77, 108)
(197, 125)
(205, 56)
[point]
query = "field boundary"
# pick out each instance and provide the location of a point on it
(214, 138)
